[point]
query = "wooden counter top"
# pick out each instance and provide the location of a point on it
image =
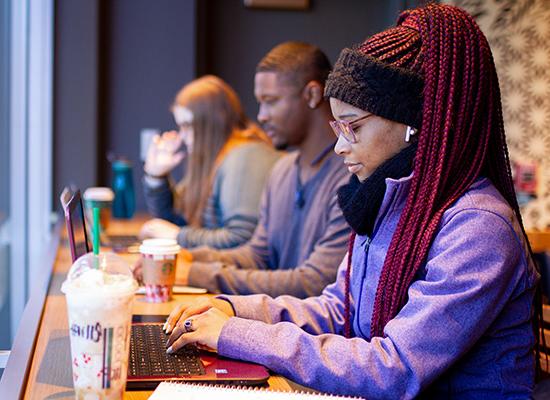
(49, 373)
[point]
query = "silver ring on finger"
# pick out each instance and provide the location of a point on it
(188, 325)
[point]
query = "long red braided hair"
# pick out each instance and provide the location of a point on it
(461, 138)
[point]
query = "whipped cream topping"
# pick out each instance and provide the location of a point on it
(97, 280)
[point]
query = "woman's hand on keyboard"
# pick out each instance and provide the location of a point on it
(182, 312)
(202, 329)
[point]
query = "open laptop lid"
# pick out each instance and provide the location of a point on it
(217, 369)
(76, 224)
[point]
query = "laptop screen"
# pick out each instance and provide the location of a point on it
(79, 231)
(76, 225)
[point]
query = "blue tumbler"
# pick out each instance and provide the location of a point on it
(124, 203)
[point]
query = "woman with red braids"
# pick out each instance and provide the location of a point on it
(435, 297)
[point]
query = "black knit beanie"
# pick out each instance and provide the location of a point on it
(382, 76)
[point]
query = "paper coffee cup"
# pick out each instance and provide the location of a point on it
(159, 258)
(99, 291)
(102, 198)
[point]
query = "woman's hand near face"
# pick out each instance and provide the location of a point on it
(164, 154)
(208, 315)
(159, 229)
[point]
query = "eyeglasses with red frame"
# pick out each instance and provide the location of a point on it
(345, 128)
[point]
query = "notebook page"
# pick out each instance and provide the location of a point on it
(189, 391)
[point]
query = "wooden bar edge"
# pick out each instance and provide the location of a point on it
(539, 240)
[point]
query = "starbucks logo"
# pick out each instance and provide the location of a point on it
(167, 268)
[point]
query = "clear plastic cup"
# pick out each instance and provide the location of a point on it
(159, 258)
(99, 291)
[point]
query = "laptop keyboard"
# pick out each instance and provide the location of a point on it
(148, 356)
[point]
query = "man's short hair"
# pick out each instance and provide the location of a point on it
(297, 62)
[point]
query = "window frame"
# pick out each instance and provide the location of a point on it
(30, 135)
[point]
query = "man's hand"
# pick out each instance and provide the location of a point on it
(203, 254)
(137, 270)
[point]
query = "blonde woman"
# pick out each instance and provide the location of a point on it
(228, 160)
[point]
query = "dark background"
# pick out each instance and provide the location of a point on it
(119, 64)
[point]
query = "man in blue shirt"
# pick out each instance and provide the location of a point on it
(301, 236)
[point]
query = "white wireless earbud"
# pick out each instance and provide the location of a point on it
(410, 132)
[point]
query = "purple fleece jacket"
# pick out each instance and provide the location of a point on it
(465, 331)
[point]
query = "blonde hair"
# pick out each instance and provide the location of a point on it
(217, 117)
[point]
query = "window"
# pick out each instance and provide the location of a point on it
(4, 174)
(4, 143)
(26, 51)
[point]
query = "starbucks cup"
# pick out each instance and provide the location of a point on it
(159, 258)
(102, 198)
(99, 291)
